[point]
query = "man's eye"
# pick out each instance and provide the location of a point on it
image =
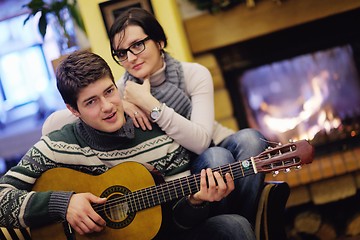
(89, 103)
(110, 90)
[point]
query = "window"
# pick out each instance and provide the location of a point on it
(26, 74)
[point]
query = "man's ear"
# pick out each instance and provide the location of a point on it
(72, 110)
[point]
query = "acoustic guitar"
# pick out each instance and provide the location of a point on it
(133, 206)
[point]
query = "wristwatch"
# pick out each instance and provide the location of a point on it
(155, 113)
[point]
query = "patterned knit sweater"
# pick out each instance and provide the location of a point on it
(81, 148)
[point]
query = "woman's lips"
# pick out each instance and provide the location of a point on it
(137, 66)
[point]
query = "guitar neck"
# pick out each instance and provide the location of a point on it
(171, 190)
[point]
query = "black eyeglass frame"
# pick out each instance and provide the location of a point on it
(114, 52)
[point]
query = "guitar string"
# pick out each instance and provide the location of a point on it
(193, 185)
(123, 199)
(171, 196)
(238, 172)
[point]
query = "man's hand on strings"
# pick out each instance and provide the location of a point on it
(213, 187)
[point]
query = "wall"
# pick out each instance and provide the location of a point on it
(168, 15)
(210, 31)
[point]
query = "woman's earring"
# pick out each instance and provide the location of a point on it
(161, 50)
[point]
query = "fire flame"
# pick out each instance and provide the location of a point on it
(313, 110)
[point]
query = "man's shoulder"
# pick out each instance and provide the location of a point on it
(65, 134)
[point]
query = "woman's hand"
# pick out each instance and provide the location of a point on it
(140, 95)
(212, 187)
(137, 94)
(81, 216)
(138, 116)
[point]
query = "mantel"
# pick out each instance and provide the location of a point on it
(210, 31)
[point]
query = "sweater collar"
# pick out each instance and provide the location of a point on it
(104, 141)
(158, 77)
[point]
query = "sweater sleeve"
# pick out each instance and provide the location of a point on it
(22, 207)
(46, 207)
(57, 120)
(194, 134)
(186, 215)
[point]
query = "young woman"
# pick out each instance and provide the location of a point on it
(178, 96)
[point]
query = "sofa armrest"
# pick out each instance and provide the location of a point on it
(270, 216)
(14, 234)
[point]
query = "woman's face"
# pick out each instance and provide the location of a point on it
(145, 63)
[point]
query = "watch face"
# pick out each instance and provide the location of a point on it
(154, 114)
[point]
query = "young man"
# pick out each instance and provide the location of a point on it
(101, 139)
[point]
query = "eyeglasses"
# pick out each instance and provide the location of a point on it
(136, 48)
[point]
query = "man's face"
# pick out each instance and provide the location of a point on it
(100, 106)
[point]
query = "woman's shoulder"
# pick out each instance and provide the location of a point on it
(196, 74)
(194, 66)
(192, 69)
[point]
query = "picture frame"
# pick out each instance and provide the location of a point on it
(110, 10)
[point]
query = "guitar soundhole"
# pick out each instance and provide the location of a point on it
(116, 210)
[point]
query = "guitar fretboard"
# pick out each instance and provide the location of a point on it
(168, 191)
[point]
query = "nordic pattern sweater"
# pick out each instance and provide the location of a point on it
(69, 147)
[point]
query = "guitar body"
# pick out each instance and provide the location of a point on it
(128, 176)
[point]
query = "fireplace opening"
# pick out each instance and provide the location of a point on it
(315, 96)
(299, 83)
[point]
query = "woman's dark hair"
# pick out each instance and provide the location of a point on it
(137, 17)
(77, 71)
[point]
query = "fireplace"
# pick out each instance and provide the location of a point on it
(301, 82)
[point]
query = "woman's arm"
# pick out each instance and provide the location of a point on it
(194, 134)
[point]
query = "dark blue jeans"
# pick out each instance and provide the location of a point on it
(240, 146)
(221, 227)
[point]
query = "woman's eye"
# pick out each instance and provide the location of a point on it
(137, 45)
(121, 53)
